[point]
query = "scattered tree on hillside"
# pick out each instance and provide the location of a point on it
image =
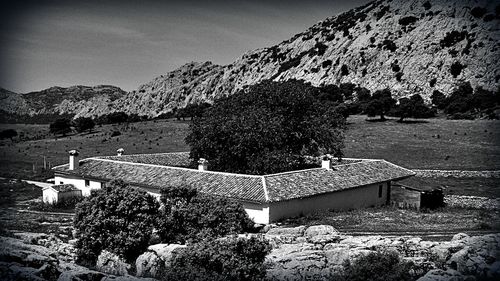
(118, 218)
(380, 104)
(192, 110)
(8, 134)
(60, 126)
(438, 99)
(84, 123)
(413, 107)
(460, 100)
(269, 127)
(187, 215)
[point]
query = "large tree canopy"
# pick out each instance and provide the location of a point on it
(267, 128)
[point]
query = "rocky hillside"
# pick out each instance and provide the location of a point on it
(59, 100)
(409, 46)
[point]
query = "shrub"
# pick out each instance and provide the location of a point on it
(478, 12)
(427, 5)
(344, 70)
(118, 219)
(84, 123)
(377, 266)
(407, 20)
(432, 82)
(187, 215)
(438, 99)
(326, 63)
(116, 133)
(389, 45)
(456, 69)
(237, 259)
(67, 204)
(451, 38)
(8, 134)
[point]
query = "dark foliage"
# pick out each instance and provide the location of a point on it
(460, 99)
(192, 110)
(478, 12)
(451, 38)
(13, 118)
(8, 134)
(427, 5)
(438, 99)
(118, 219)
(83, 123)
(344, 71)
(456, 68)
(407, 20)
(60, 126)
(119, 117)
(432, 82)
(383, 10)
(65, 205)
(115, 133)
(187, 215)
(380, 104)
(413, 107)
(326, 63)
(389, 45)
(269, 118)
(237, 259)
(378, 266)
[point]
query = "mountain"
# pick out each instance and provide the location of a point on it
(409, 46)
(59, 100)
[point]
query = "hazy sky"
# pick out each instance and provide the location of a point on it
(126, 43)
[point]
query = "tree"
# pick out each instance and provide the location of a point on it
(276, 122)
(60, 126)
(460, 100)
(118, 218)
(380, 103)
(438, 99)
(187, 215)
(413, 107)
(84, 123)
(237, 259)
(8, 134)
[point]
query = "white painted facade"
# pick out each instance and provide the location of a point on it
(52, 196)
(86, 186)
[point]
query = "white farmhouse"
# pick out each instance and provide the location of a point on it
(348, 184)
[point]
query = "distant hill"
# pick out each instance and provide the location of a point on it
(59, 100)
(409, 46)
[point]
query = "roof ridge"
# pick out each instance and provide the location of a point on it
(264, 186)
(291, 172)
(137, 154)
(172, 167)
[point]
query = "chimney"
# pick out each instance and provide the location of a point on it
(326, 162)
(120, 151)
(74, 160)
(203, 164)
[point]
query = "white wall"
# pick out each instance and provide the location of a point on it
(78, 183)
(49, 196)
(259, 213)
(365, 196)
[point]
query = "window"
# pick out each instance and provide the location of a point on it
(380, 187)
(87, 182)
(61, 182)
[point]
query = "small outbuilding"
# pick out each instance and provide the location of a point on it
(59, 193)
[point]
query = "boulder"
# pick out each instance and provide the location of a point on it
(442, 275)
(321, 234)
(281, 235)
(155, 259)
(81, 275)
(110, 263)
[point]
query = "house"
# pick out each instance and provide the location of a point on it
(348, 184)
(59, 193)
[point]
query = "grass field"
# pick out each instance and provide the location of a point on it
(431, 144)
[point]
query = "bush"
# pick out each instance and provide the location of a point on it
(224, 259)
(68, 204)
(115, 133)
(118, 219)
(456, 69)
(187, 215)
(377, 266)
(451, 38)
(478, 12)
(407, 20)
(8, 134)
(344, 70)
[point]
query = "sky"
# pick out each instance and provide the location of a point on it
(127, 43)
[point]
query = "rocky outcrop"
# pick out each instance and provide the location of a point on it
(156, 259)
(112, 264)
(305, 256)
(407, 46)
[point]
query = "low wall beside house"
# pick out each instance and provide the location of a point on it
(360, 197)
(86, 186)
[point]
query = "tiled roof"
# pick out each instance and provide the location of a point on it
(174, 159)
(140, 170)
(242, 187)
(305, 183)
(64, 187)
